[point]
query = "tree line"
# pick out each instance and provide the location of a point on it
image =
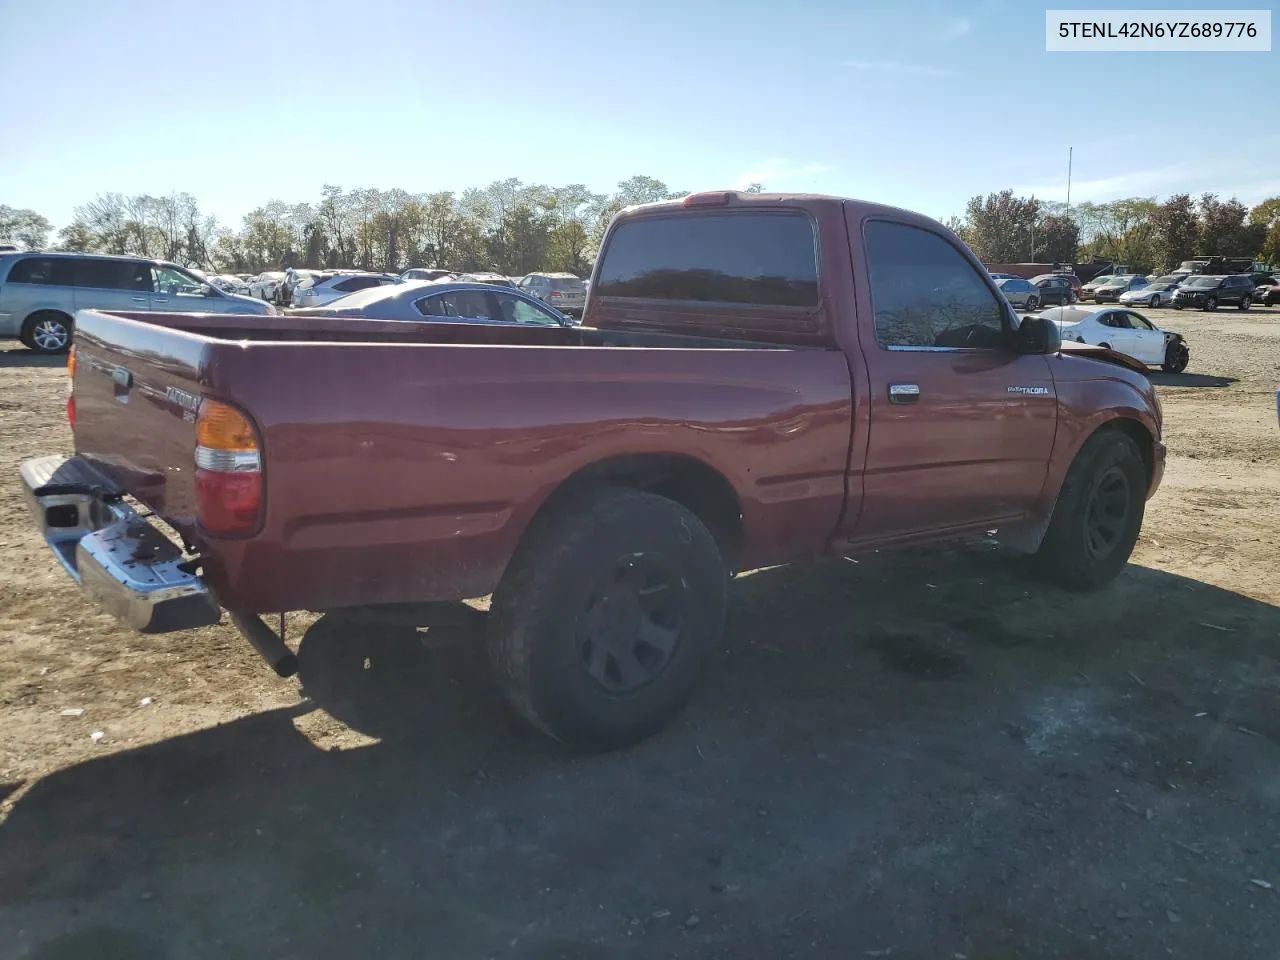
(508, 227)
(1140, 231)
(514, 228)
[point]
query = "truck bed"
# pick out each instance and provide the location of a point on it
(402, 461)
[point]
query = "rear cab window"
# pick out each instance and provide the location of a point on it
(758, 258)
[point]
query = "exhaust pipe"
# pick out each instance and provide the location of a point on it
(268, 644)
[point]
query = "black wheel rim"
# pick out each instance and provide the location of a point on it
(631, 622)
(1107, 515)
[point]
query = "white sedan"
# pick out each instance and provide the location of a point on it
(1125, 332)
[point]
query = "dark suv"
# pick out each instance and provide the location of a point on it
(1208, 293)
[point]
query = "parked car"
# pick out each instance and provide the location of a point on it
(1005, 276)
(495, 279)
(1210, 292)
(1111, 291)
(427, 273)
(563, 291)
(1125, 332)
(1020, 292)
(319, 288)
(1088, 290)
(265, 285)
(445, 301)
(602, 496)
(1055, 288)
(1267, 295)
(1156, 293)
(41, 292)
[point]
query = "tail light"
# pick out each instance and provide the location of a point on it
(228, 470)
(71, 386)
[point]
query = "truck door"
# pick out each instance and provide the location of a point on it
(961, 426)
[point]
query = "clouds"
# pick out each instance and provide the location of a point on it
(896, 68)
(779, 173)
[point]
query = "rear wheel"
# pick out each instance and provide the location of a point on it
(1244, 303)
(1098, 514)
(1154, 301)
(47, 332)
(603, 622)
(1033, 302)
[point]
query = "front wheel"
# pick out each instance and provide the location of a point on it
(1176, 358)
(603, 623)
(1211, 304)
(1032, 303)
(1098, 515)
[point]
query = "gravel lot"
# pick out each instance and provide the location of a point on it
(915, 755)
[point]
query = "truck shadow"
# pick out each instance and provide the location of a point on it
(873, 730)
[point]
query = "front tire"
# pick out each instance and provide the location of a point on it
(1211, 304)
(1098, 515)
(1176, 358)
(47, 332)
(602, 625)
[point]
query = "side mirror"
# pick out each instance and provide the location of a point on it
(209, 290)
(1038, 335)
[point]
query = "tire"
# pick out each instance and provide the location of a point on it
(47, 332)
(1176, 358)
(1244, 303)
(1105, 346)
(1032, 303)
(1154, 301)
(568, 623)
(1211, 304)
(1098, 515)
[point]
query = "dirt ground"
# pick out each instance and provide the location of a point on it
(924, 755)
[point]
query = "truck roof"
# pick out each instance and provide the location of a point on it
(713, 199)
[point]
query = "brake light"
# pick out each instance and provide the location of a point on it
(714, 199)
(228, 470)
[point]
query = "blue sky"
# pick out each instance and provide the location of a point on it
(918, 104)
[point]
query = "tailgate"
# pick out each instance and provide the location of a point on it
(136, 390)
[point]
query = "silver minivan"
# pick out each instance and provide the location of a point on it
(41, 292)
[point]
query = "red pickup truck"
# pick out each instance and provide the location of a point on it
(758, 379)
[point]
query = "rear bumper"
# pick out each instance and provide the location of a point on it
(118, 558)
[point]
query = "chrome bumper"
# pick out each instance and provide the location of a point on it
(119, 559)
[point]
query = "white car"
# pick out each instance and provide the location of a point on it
(320, 289)
(264, 285)
(1123, 331)
(1157, 293)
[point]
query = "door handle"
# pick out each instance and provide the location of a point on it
(904, 392)
(139, 299)
(159, 299)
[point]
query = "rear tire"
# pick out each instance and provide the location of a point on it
(1244, 303)
(1032, 303)
(47, 332)
(603, 622)
(1098, 515)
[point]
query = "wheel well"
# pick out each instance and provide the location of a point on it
(700, 489)
(1140, 435)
